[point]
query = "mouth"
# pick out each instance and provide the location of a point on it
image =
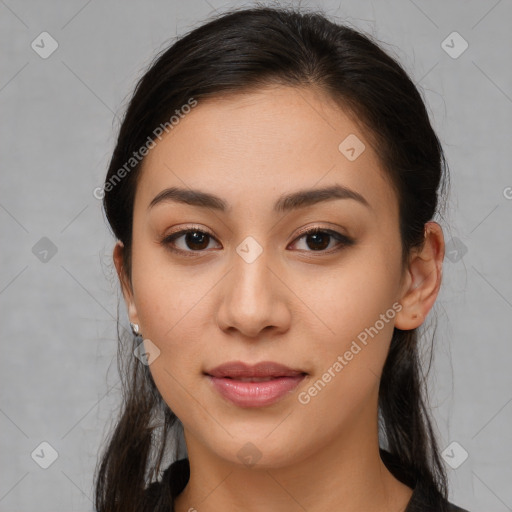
(253, 379)
(264, 370)
(254, 386)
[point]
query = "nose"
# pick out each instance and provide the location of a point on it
(254, 299)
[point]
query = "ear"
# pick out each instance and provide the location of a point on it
(124, 280)
(423, 279)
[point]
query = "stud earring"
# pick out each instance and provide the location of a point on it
(135, 329)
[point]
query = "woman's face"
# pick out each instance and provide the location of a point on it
(250, 286)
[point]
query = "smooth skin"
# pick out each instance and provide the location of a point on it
(299, 303)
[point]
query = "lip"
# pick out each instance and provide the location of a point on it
(263, 369)
(281, 380)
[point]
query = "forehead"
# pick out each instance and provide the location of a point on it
(254, 146)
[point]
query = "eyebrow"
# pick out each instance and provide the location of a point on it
(287, 202)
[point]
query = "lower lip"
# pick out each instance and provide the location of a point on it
(255, 394)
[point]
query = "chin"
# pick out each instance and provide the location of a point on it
(261, 452)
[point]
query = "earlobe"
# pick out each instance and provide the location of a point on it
(409, 317)
(118, 257)
(423, 279)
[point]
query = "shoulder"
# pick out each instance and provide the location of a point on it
(418, 505)
(425, 497)
(455, 508)
(425, 502)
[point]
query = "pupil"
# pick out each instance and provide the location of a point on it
(319, 239)
(202, 242)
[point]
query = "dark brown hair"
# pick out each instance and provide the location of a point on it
(246, 49)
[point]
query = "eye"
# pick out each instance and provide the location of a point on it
(195, 239)
(318, 239)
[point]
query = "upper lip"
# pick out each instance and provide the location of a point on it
(243, 370)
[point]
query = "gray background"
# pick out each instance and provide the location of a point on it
(58, 311)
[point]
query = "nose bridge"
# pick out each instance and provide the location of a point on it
(251, 287)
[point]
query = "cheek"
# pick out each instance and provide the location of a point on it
(349, 360)
(166, 295)
(174, 309)
(352, 297)
(172, 313)
(355, 306)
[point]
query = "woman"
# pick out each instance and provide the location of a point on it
(272, 192)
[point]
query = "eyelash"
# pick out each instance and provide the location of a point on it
(344, 241)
